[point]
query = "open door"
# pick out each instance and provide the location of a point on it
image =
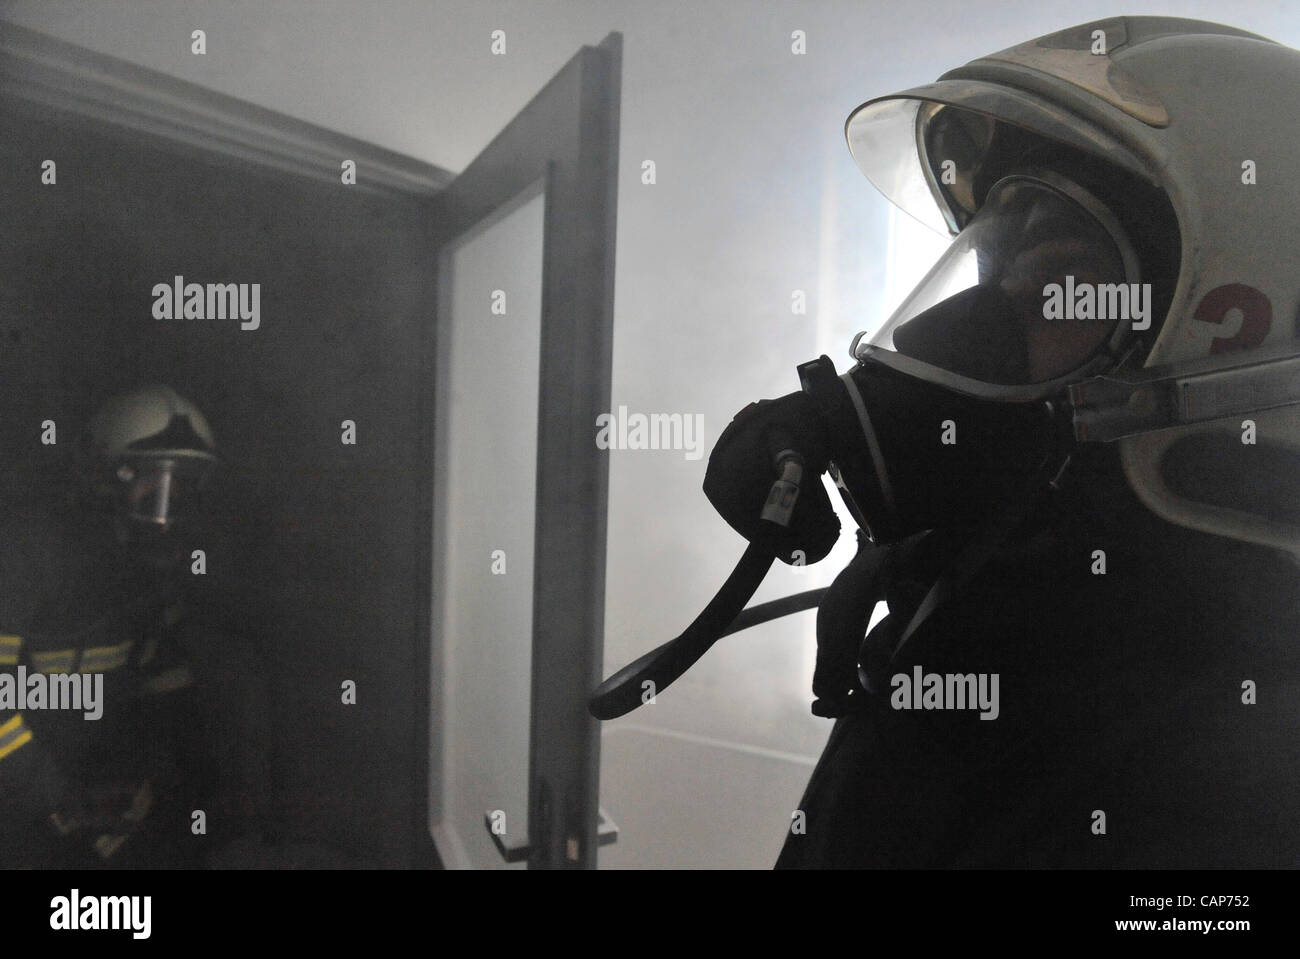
(519, 360)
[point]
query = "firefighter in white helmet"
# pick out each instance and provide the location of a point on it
(95, 587)
(1075, 454)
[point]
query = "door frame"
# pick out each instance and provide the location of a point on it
(567, 137)
(55, 78)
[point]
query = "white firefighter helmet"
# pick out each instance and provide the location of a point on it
(1196, 161)
(150, 450)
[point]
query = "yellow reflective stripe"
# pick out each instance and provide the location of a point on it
(102, 658)
(13, 735)
(58, 661)
(98, 659)
(10, 646)
(106, 845)
(18, 743)
(8, 659)
(14, 641)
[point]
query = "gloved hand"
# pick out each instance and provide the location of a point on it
(842, 619)
(743, 467)
(103, 815)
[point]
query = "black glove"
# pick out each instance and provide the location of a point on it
(743, 467)
(842, 619)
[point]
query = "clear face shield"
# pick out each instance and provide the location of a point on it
(1039, 288)
(159, 494)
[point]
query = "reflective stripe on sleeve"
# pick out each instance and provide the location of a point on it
(10, 646)
(13, 735)
(54, 661)
(97, 659)
(100, 659)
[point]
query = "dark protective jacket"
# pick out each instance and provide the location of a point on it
(1148, 715)
(75, 601)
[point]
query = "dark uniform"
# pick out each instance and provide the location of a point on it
(1119, 692)
(119, 789)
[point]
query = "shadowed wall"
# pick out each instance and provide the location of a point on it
(318, 563)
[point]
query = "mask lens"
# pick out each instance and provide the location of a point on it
(994, 308)
(160, 495)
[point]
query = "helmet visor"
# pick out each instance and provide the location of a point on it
(159, 493)
(1032, 288)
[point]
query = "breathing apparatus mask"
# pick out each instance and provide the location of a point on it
(953, 410)
(957, 399)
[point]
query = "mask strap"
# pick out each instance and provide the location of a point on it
(981, 547)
